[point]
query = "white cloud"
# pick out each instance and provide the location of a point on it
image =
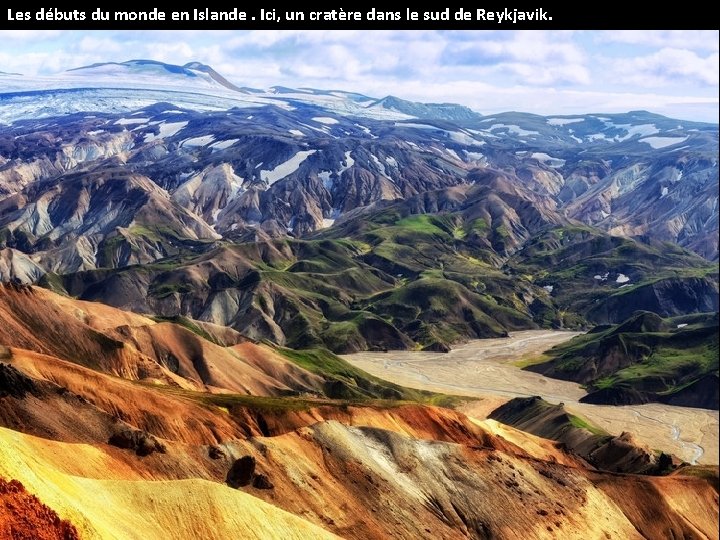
(28, 35)
(668, 66)
(528, 57)
(705, 40)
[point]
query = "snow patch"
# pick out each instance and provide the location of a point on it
(296, 132)
(222, 145)
(131, 121)
(415, 126)
(379, 165)
(286, 168)
(167, 129)
(327, 181)
(545, 158)
(455, 136)
(349, 162)
(325, 120)
(664, 191)
(463, 138)
(198, 141)
(622, 278)
(662, 142)
(393, 162)
(601, 278)
(548, 288)
(564, 121)
(452, 153)
(512, 128)
(682, 325)
(642, 130)
(365, 130)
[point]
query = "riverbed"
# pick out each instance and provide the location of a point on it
(486, 369)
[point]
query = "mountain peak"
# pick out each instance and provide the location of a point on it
(142, 71)
(427, 111)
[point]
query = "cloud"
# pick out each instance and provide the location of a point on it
(703, 40)
(527, 57)
(31, 36)
(668, 66)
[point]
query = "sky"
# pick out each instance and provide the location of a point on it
(674, 73)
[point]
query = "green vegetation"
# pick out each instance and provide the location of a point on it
(188, 324)
(581, 423)
(569, 258)
(645, 353)
(531, 361)
(395, 280)
(345, 381)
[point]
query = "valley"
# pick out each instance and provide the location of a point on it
(488, 369)
(237, 312)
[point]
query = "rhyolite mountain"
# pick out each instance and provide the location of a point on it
(190, 427)
(245, 232)
(313, 217)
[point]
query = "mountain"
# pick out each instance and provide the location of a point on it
(177, 351)
(144, 73)
(150, 413)
(312, 217)
(181, 258)
(620, 454)
(307, 156)
(645, 358)
(451, 112)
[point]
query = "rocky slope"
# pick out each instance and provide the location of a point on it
(390, 276)
(179, 352)
(23, 516)
(297, 160)
(619, 454)
(359, 472)
(328, 218)
(185, 426)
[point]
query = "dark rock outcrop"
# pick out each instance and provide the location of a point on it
(141, 442)
(15, 384)
(703, 393)
(241, 473)
(616, 396)
(215, 452)
(261, 481)
(438, 347)
(615, 454)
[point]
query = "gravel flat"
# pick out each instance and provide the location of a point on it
(485, 368)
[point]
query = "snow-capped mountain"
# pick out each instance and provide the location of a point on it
(229, 160)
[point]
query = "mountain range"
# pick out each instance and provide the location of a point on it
(182, 258)
(222, 215)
